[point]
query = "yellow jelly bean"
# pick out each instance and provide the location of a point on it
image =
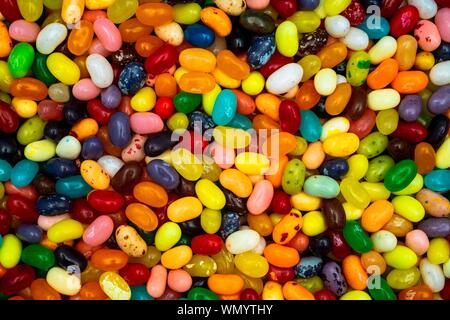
(358, 68)
(442, 158)
(114, 286)
(438, 251)
(354, 193)
(210, 220)
(387, 121)
(383, 99)
(403, 279)
(40, 151)
(409, 208)
(355, 295)
(352, 212)
(253, 84)
(334, 7)
(30, 10)
(325, 81)
(376, 190)
(305, 202)
(311, 65)
(144, 100)
(251, 264)
(384, 49)
(286, 39)
(424, 61)
(5, 77)
(178, 120)
(64, 230)
(231, 137)
(272, 291)
(63, 69)
(10, 251)
(94, 175)
(314, 223)
(358, 165)
(187, 164)
(341, 144)
(201, 266)
(401, 258)
(2, 190)
(98, 4)
(305, 21)
(122, 10)
(53, 4)
(252, 163)
(63, 281)
(276, 217)
(24, 108)
(167, 236)
(209, 98)
(177, 257)
(413, 187)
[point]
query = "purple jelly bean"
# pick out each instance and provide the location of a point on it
(111, 97)
(439, 102)
(29, 232)
(435, 227)
(333, 278)
(92, 148)
(410, 107)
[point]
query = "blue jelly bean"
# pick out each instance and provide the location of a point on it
(73, 187)
(200, 122)
(375, 26)
(132, 78)
(119, 129)
(23, 173)
(230, 224)
(438, 180)
(224, 107)
(308, 267)
(442, 53)
(140, 293)
(92, 148)
(241, 122)
(260, 50)
(199, 35)
(53, 205)
(307, 5)
(310, 128)
(163, 174)
(335, 168)
(29, 232)
(5, 170)
(61, 168)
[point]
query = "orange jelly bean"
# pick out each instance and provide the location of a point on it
(109, 259)
(147, 44)
(232, 65)
(409, 82)
(217, 20)
(92, 291)
(279, 144)
(80, 38)
(285, 230)
(84, 129)
(142, 216)
(373, 262)
(307, 96)
(424, 157)
(197, 82)
(131, 30)
(225, 284)
(420, 292)
(29, 88)
(5, 40)
(155, 14)
(294, 291)
(81, 63)
(377, 215)
(268, 104)
(92, 15)
(151, 194)
(281, 256)
(41, 290)
(276, 170)
(354, 272)
(337, 101)
(261, 121)
(197, 59)
(384, 74)
(333, 54)
(245, 103)
(260, 223)
(398, 225)
(165, 85)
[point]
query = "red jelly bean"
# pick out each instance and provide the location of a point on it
(17, 279)
(389, 7)
(339, 247)
(289, 114)
(50, 110)
(249, 294)
(164, 108)
(21, 208)
(324, 294)
(5, 221)
(404, 20)
(10, 10)
(281, 202)
(413, 132)
(355, 13)
(280, 275)
(161, 60)
(9, 121)
(106, 201)
(135, 274)
(364, 125)
(206, 244)
(99, 112)
(276, 61)
(82, 211)
(285, 8)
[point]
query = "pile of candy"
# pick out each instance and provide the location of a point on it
(226, 149)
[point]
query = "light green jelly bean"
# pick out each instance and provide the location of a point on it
(358, 68)
(373, 145)
(312, 284)
(31, 130)
(378, 167)
(40, 151)
(293, 177)
(402, 279)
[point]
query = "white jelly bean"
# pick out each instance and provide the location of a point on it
(337, 26)
(427, 8)
(335, 126)
(285, 78)
(100, 70)
(356, 39)
(64, 282)
(50, 37)
(432, 275)
(110, 164)
(68, 148)
(440, 73)
(242, 241)
(384, 49)
(325, 81)
(384, 241)
(383, 99)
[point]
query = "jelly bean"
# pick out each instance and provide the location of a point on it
(20, 59)
(399, 176)
(63, 69)
(283, 79)
(356, 39)
(427, 35)
(432, 275)
(261, 49)
(325, 81)
(356, 237)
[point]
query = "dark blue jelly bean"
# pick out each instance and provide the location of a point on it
(199, 35)
(260, 51)
(200, 122)
(61, 168)
(159, 143)
(307, 5)
(320, 245)
(230, 223)
(163, 174)
(9, 149)
(308, 267)
(132, 78)
(238, 40)
(73, 112)
(191, 228)
(368, 3)
(442, 53)
(437, 130)
(53, 205)
(92, 148)
(29, 232)
(335, 168)
(56, 130)
(119, 129)
(70, 259)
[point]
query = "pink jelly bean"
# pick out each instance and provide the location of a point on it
(85, 90)
(442, 21)
(179, 280)
(156, 284)
(45, 222)
(257, 4)
(260, 198)
(224, 157)
(24, 31)
(417, 241)
(146, 122)
(427, 35)
(108, 34)
(98, 231)
(135, 150)
(97, 47)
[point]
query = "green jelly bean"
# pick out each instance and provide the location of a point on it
(20, 59)
(356, 237)
(312, 284)
(41, 71)
(38, 256)
(400, 175)
(186, 102)
(31, 130)
(184, 240)
(358, 68)
(378, 167)
(380, 290)
(293, 176)
(321, 186)
(373, 145)
(199, 293)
